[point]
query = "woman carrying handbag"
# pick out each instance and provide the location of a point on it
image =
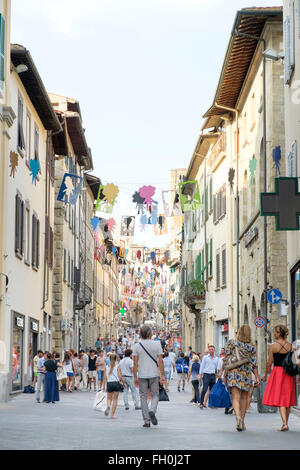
(280, 389)
(239, 363)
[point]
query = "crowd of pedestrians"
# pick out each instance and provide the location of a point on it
(142, 363)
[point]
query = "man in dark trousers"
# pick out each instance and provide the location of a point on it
(208, 371)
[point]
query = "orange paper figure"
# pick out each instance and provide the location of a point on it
(161, 228)
(13, 163)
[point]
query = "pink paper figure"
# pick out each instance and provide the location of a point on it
(102, 249)
(147, 192)
(111, 223)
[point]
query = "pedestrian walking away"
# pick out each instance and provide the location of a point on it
(51, 384)
(126, 366)
(168, 364)
(148, 373)
(100, 366)
(194, 371)
(239, 363)
(280, 389)
(41, 374)
(208, 371)
(92, 371)
(112, 380)
(68, 365)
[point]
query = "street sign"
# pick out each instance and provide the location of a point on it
(274, 296)
(259, 322)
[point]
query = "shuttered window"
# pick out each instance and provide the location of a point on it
(69, 268)
(198, 268)
(51, 249)
(21, 140)
(292, 161)
(2, 51)
(210, 195)
(206, 202)
(65, 264)
(218, 269)
(35, 249)
(19, 226)
(72, 274)
(224, 266)
(287, 50)
(292, 36)
(215, 217)
(210, 257)
(223, 192)
(36, 143)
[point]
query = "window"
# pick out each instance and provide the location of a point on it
(28, 136)
(69, 268)
(51, 249)
(72, 274)
(27, 243)
(289, 44)
(21, 140)
(2, 51)
(210, 196)
(19, 226)
(65, 264)
(218, 269)
(36, 142)
(224, 265)
(35, 242)
(219, 204)
(292, 161)
(210, 257)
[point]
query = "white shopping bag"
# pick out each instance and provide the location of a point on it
(100, 402)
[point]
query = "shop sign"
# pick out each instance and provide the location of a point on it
(34, 326)
(20, 322)
(250, 235)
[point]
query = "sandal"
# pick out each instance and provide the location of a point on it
(284, 428)
(239, 424)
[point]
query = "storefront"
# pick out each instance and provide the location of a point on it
(32, 345)
(17, 363)
(295, 318)
(222, 335)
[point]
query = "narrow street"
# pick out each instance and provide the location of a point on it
(72, 424)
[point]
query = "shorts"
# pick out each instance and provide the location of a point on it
(70, 374)
(92, 373)
(113, 387)
(168, 374)
(35, 374)
(100, 374)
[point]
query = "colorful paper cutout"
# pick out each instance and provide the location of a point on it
(276, 153)
(34, 168)
(13, 163)
(70, 188)
(231, 174)
(127, 226)
(252, 168)
(161, 228)
(189, 195)
(94, 223)
(139, 200)
(106, 198)
(147, 192)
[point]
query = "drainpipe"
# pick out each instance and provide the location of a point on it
(235, 111)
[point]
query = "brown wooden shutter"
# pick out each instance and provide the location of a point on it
(33, 246)
(218, 270)
(37, 243)
(224, 267)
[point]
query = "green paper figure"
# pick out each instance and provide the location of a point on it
(252, 168)
(189, 196)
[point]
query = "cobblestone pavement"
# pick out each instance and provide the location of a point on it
(73, 424)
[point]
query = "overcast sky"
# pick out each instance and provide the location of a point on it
(144, 72)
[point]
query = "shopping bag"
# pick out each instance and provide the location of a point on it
(163, 396)
(100, 402)
(219, 397)
(61, 373)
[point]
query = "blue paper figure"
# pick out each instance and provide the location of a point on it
(126, 252)
(276, 158)
(143, 221)
(114, 250)
(95, 222)
(70, 189)
(154, 213)
(34, 168)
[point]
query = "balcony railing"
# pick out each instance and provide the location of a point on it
(194, 295)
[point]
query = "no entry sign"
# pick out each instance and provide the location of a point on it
(259, 322)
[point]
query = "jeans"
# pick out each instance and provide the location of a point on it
(129, 384)
(40, 382)
(209, 380)
(153, 384)
(195, 384)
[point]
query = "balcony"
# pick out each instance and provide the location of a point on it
(194, 296)
(218, 151)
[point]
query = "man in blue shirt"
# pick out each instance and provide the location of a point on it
(208, 370)
(41, 376)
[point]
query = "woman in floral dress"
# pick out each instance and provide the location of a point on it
(240, 378)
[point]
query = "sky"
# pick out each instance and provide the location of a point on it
(144, 72)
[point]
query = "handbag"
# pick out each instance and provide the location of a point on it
(234, 361)
(219, 397)
(163, 396)
(61, 373)
(289, 365)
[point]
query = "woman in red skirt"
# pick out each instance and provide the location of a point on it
(280, 389)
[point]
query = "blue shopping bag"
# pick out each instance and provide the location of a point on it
(219, 397)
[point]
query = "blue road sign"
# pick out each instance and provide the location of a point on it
(274, 296)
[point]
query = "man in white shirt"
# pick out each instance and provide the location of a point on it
(148, 371)
(126, 366)
(173, 357)
(208, 371)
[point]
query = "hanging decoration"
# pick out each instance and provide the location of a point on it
(276, 153)
(70, 188)
(147, 192)
(114, 250)
(231, 174)
(127, 226)
(166, 204)
(252, 168)
(189, 196)
(161, 228)
(152, 220)
(34, 168)
(94, 223)
(139, 200)
(143, 221)
(14, 157)
(106, 198)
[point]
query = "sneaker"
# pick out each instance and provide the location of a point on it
(138, 408)
(106, 412)
(146, 425)
(38, 400)
(201, 407)
(153, 418)
(126, 407)
(178, 389)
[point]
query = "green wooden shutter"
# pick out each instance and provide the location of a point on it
(2, 50)
(210, 195)
(206, 202)
(210, 257)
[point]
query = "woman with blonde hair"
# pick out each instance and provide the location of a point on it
(280, 389)
(239, 363)
(112, 379)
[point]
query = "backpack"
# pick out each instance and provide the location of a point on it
(289, 365)
(29, 389)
